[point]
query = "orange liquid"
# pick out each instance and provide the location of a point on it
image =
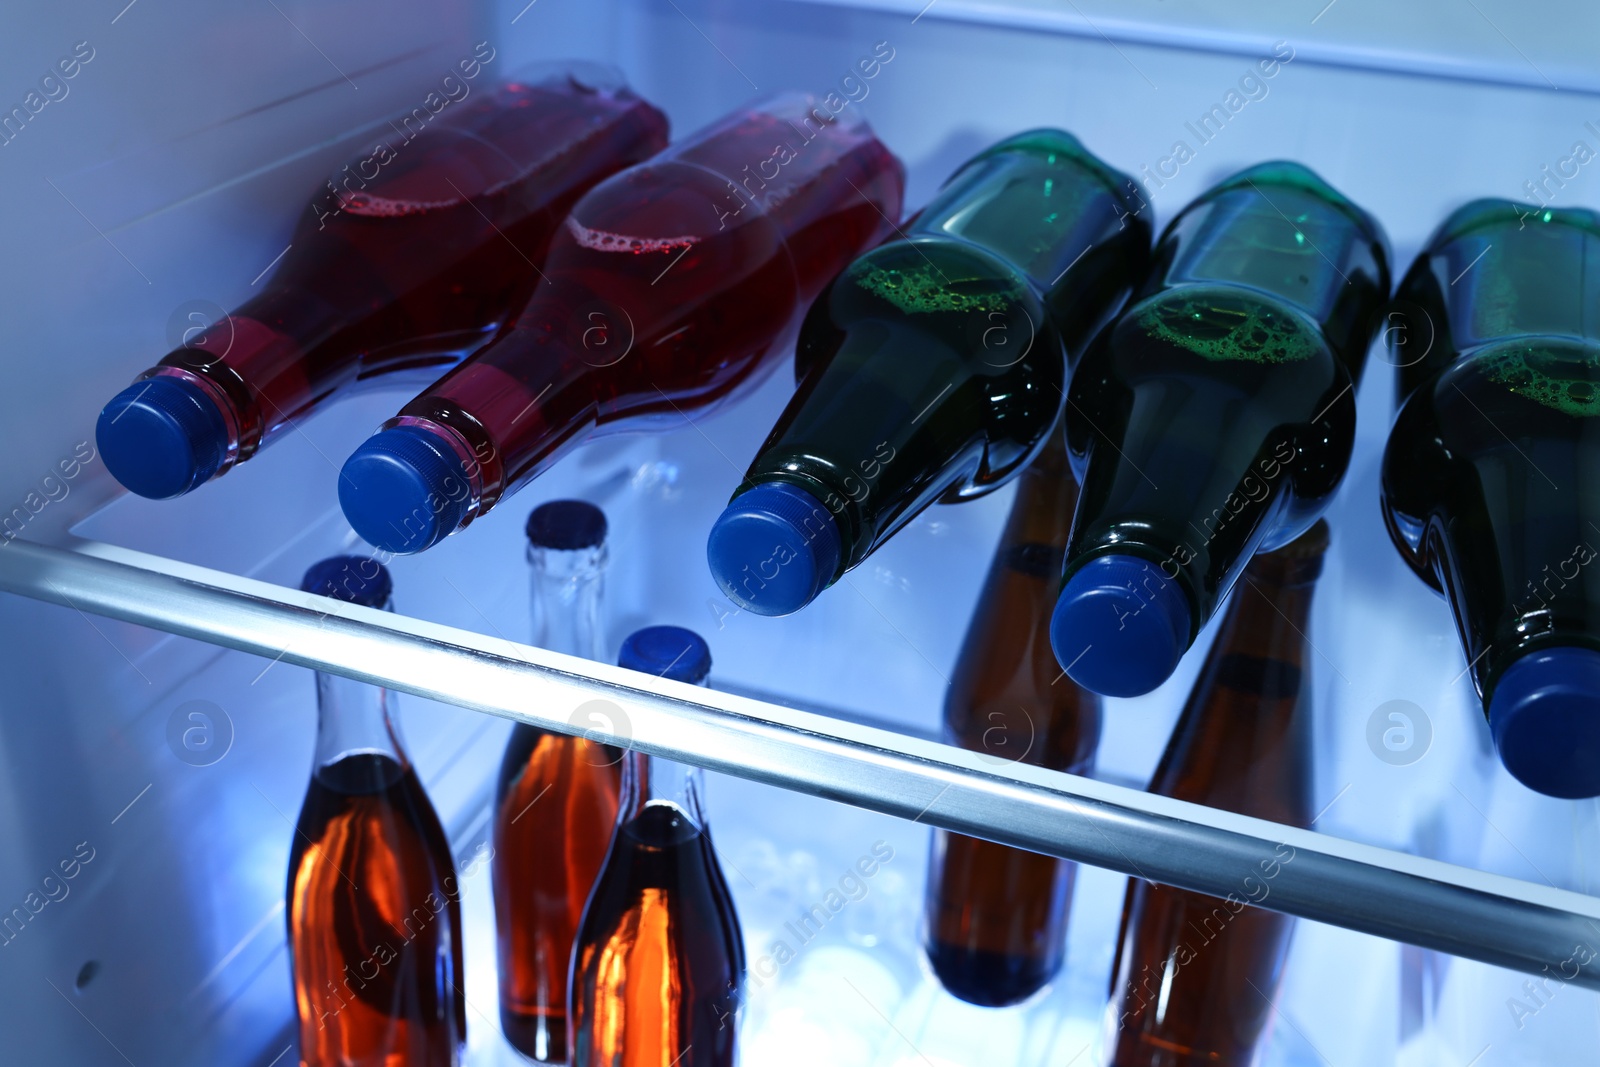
(660, 958)
(555, 807)
(374, 922)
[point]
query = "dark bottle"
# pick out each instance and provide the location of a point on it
(671, 286)
(660, 953)
(556, 800)
(933, 366)
(1491, 479)
(1195, 975)
(1215, 419)
(997, 916)
(373, 907)
(411, 256)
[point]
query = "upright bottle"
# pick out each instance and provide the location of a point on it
(412, 254)
(933, 367)
(669, 287)
(557, 795)
(660, 953)
(373, 907)
(1195, 975)
(997, 916)
(1491, 479)
(1215, 419)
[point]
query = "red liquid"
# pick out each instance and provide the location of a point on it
(417, 251)
(554, 810)
(659, 952)
(671, 285)
(374, 922)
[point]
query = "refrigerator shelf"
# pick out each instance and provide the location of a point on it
(1491, 918)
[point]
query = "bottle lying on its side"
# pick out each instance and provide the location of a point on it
(1215, 419)
(411, 257)
(1491, 478)
(933, 367)
(670, 287)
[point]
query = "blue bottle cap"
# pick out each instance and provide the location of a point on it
(773, 549)
(566, 526)
(162, 437)
(405, 489)
(1120, 626)
(1545, 716)
(356, 579)
(667, 652)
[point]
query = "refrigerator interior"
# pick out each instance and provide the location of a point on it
(165, 179)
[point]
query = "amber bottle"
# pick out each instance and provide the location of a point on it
(373, 908)
(660, 954)
(557, 795)
(997, 916)
(1195, 975)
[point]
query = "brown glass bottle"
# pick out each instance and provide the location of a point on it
(997, 916)
(372, 904)
(1194, 974)
(557, 795)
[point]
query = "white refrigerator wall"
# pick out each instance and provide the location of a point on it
(171, 171)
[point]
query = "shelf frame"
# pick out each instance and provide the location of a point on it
(1498, 920)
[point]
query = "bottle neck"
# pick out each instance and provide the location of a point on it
(567, 588)
(355, 719)
(253, 362)
(652, 782)
(945, 378)
(1243, 741)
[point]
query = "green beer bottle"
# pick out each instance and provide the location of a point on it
(1491, 478)
(934, 366)
(1215, 419)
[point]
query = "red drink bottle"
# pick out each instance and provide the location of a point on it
(373, 907)
(671, 285)
(412, 255)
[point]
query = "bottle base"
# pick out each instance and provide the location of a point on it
(539, 1037)
(988, 979)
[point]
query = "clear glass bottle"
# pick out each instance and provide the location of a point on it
(373, 905)
(557, 795)
(660, 955)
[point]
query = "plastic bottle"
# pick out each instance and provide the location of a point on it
(933, 367)
(1215, 419)
(413, 254)
(671, 286)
